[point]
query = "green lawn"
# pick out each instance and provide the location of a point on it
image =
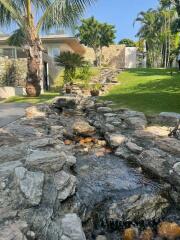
(147, 90)
(44, 98)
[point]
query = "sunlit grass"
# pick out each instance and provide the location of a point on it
(147, 90)
(44, 98)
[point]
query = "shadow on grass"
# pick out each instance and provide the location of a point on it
(34, 100)
(147, 102)
(153, 71)
(166, 84)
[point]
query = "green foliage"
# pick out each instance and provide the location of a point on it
(156, 30)
(96, 35)
(147, 90)
(70, 61)
(96, 86)
(128, 42)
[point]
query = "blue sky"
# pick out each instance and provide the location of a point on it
(120, 13)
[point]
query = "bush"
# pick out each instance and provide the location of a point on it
(70, 61)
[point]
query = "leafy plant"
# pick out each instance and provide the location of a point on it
(96, 86)
(70, 61)
(128, 42)
(96, 35)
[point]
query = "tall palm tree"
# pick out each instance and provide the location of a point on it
(23, 14)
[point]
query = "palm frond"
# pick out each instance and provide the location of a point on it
(10, 12)
(64, 13)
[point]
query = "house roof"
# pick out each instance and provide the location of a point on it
(73, 42)
(58, 39)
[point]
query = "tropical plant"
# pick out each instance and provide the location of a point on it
(22, 15)
(156, 31)
(127, 42)
(96, 35)
(70, 61)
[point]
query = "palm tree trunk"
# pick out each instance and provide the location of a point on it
(34, 56)
(34, 65)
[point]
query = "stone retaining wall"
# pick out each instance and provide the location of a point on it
(13, 72)
(114, 56)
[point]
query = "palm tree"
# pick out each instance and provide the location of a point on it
(70, 61)
(52, 14)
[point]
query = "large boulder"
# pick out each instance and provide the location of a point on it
(155, 161)
(72, 228)
(170, 145)
(46, 161)
(168, 118)
(136, 123)
(65, 184)
(146, 207)
(83, 128)
(30, 185)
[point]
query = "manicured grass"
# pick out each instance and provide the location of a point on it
(44, 98)
(147, 90)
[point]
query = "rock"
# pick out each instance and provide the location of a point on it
(34, 112)
(42, 143)
(46, 161)
(115, 140)
(136, 123)
(13, 231)
(72, 228)
(133, 147)
(65, 184)
(83, 128)
(168, 118)
(169, 230)
(70, 160)
(147, 234)
(122, 152)
(101, 237)
(104, 110)
(109, 127)
(30, 185)
(170, 145)
(175, 175)
(130, 233)
(68, 102)
(7, 168)
(138, 208)
(15, 153)
(155, 161)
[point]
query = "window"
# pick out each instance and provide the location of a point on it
(53, 52)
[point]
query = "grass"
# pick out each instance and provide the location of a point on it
(44, 98)
(147, 90)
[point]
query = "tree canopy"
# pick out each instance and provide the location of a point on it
(127, 42)
(96, 35)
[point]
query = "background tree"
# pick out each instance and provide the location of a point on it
(52, 14)
(96, 35)
(156, 30)
(127, 42)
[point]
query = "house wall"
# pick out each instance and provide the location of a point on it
(130, 57)
(114, 56)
